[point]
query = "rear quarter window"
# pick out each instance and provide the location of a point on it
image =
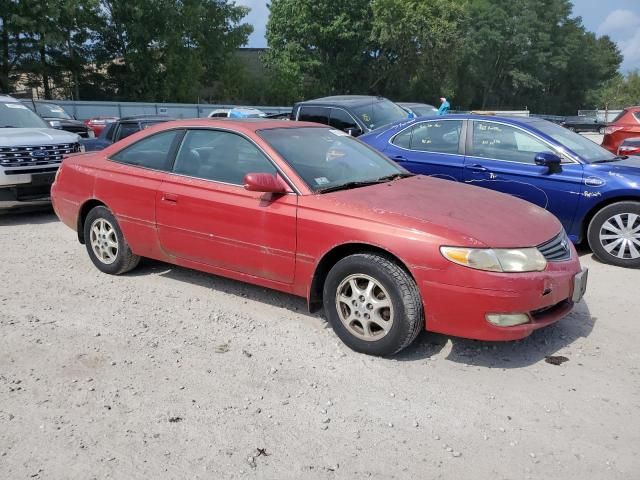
(314, 114)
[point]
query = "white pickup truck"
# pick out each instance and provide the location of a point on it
(30, 154)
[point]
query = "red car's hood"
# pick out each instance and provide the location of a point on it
(440, 207)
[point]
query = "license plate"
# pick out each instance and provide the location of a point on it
(580, 285)
(43, 178)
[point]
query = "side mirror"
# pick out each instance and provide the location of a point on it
(549, 160)
(353, 131)
(264, 182)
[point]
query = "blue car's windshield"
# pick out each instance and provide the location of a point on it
(589, 151)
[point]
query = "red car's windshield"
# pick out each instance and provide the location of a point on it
(328, 159)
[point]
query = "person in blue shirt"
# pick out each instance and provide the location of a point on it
(444, 106)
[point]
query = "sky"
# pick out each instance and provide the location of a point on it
(620, 19)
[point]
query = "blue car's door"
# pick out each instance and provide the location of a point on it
(431, 147)
(501, 157)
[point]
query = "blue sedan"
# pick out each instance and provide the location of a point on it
(594, 193)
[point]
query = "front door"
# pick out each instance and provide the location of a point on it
(502, 157)
(430, 148)
(205, 215)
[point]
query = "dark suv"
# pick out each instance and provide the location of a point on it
(57, 117)
(354, 114)
(121, 129)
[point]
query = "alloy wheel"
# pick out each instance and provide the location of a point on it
(104, 241)
(364, 307)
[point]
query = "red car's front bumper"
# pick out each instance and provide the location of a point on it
(458, 304)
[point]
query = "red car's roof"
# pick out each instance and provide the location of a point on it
(244, 124)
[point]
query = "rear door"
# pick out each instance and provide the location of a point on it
(205, 215)
(501, 157)
(431, 148)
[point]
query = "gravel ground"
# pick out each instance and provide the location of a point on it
(170, 373)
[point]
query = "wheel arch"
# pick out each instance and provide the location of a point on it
(82, 215)
(599, 206)
(337, 253)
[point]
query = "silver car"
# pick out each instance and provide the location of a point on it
(30, 154)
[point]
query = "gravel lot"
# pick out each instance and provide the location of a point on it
(170, 373)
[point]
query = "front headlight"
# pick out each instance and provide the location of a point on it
(497, 260)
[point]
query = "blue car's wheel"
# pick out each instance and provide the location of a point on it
(614, 234)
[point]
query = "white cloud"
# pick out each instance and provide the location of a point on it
(623, 26)
(620, 23)
(630, 48)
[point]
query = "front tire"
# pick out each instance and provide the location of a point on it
(614, 234)
(106, 245)
(373, 304)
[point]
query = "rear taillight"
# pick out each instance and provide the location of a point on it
(629, 150)
(610, 130)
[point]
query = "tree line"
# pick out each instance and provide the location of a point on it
(163, 50)
(479, 53)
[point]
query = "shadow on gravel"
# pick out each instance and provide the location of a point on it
(515, 354)
(225, 285)
(28, 216)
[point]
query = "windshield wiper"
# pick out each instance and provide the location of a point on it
(7, 126)
(348, 185)
(364, 183)
(614, 159)
(395, 176)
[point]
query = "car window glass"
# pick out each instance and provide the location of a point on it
(220, 156)
(126, 129)
(503, 142)
(438, 136)
(403, 139)
(151, 152)
(637, 115)
(111, 129)
(342, 120)
(314, 114)
(325, 158)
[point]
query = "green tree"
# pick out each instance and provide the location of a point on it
(319, 46)
(619, 92)
(168, 49)
(417, 47)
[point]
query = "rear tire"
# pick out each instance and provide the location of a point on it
(373, 304)
(614, 234)
(106, 245)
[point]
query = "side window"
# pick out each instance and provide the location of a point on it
(438, 136)
(504, 142)
(314, 114)
(220, 156)
(403, 139)
(637, 115)
(111, 130)
(150, 152)
(342, 120)
(126, 129)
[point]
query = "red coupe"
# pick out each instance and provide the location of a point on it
(308, 210)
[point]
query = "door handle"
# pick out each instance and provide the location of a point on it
(477, 168)
(170, 197)
(399, 158)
